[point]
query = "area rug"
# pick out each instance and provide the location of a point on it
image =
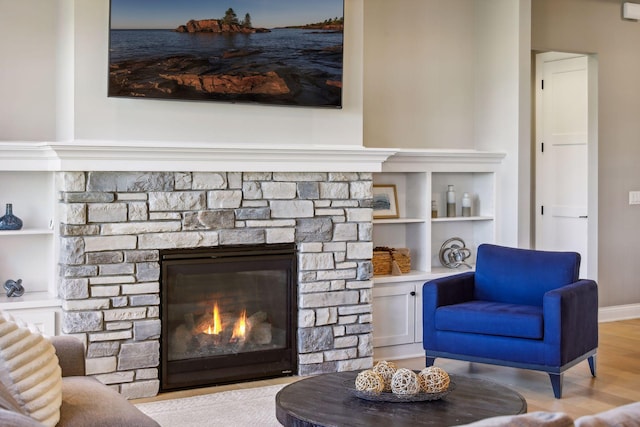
(245, 407)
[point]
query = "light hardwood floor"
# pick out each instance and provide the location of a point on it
(617, 381)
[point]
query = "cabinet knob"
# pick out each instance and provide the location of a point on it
(413, 293)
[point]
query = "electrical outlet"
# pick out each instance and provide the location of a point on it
(634, 197)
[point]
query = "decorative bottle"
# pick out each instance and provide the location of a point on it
(9, 221)
(466, 205)
(451, 201)
(434, 209)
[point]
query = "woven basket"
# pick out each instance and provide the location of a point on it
(383, 258)
(381, 262)
(402, 257)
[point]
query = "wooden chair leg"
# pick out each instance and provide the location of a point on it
(556, 383)
(592, 364)
(430, 361)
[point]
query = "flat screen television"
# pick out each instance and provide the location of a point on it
(279, 52)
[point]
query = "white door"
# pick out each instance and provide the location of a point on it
(562, 160)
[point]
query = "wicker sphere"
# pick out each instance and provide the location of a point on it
(369, 381)
(405, 382)
(433, 379)
(385, 370)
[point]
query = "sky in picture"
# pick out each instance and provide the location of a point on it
(169, 14)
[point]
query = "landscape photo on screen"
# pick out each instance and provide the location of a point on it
(281, 52)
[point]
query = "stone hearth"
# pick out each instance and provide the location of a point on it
(113, 224)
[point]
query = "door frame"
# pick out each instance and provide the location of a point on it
(592, 152)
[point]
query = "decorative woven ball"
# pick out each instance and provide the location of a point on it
(405, 382)
(385, 370)
(369, 381)
(433, 379)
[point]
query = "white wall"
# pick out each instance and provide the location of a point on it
(454, 74)
(53, 85)
(27, 70)
(502, 106)
(597, 27)
(419, 73)
(100, 117)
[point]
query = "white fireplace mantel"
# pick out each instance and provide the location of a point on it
(164, 156)
(159, 156)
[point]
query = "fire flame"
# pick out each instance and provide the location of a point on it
(217, 323)
(240, 328)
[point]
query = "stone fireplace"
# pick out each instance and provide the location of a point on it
(114, 225)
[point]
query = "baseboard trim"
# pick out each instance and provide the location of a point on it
(403, 351)
(619, 312)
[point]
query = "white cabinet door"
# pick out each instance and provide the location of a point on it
(44, 321)
(394, 314)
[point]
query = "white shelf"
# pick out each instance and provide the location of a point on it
(462, 218)
(415, 275)
(29, 300)
(399, 221)
(27, 232)
(444, 271)
(412, 275)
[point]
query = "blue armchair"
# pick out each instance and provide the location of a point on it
(520, 307)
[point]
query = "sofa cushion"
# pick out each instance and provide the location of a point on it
(533, 419)
(491, 318)
(15, 419)
(522, 276)
(8, 402)
(86, 402)
(29, 370)
(622, 416)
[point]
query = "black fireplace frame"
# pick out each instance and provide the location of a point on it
(217, 370)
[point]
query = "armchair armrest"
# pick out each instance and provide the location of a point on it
(449, 290)
(443, 291)
(70, 352)
(571, 320)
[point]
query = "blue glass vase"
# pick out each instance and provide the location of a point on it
(9, 221)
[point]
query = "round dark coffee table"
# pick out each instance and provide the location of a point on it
(324, 400)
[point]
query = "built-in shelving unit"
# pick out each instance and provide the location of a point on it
(29, 253)
(421, 177)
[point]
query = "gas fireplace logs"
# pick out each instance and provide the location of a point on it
(211, 334)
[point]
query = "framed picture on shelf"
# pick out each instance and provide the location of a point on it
(385, 201)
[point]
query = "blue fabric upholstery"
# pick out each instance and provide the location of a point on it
(521, 307)
(522, 276)
(491, 318)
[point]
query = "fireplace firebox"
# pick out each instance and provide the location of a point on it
(229, 314)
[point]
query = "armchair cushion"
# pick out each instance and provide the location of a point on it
(492, 318)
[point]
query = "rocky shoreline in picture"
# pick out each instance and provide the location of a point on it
(238, 71)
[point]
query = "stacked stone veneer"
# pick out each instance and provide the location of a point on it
(112, 226)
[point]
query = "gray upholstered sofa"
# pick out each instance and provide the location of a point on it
(85, 401)
(623, 416)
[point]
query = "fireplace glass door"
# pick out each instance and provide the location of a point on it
(228, 314)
